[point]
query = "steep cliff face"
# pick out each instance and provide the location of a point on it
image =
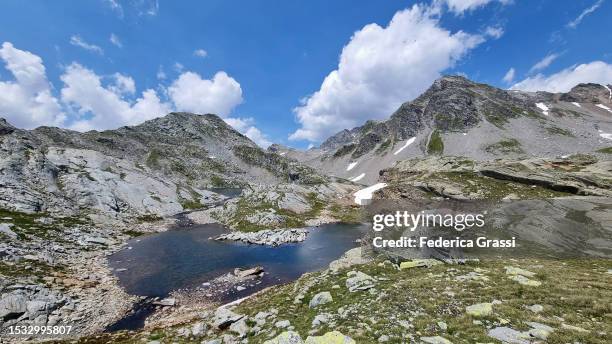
(160, 167)
(456, 116)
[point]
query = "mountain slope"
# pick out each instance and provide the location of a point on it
(456, 116)
(160, 167)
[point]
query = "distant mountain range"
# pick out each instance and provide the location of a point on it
(456, 116)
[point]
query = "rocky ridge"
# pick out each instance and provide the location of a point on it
(456, 116)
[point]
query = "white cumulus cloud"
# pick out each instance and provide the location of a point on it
(219, 95)
(102, 107)
(380, 68)
(245, 126)
(106, 102)
(27, 101)
(563, 81)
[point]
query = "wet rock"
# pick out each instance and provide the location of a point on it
(320, 299)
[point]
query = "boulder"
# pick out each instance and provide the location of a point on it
(359, 281)
(320, 299)
(419, 263)
(348, 259)
(223, 318)
(333, 337)
(167, 302)
(480, 309)
(5, 228)
(435, 340)
(525, 281)
(511, 270)
(535, 308)
(282, 324)
(240, 328)
(287, 337)
(248, 272)
(539, 331)
(321, 319)
(509, 335)
(12, 306)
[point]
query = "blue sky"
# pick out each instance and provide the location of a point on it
(271, 58)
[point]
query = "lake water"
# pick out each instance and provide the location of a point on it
(183, 258)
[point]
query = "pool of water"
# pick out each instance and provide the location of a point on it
(159, 263)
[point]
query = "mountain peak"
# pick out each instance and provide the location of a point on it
(5, 127)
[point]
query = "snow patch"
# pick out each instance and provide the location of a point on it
(364, 195)
(408, 143)
(543, 107)
(609, 90)
(576, 104)
(282, 153)
(606, 136)
(351, 165)
(603, 107)
(358, 178)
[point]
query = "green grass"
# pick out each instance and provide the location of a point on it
(435, 145)
(607, 150)
(344, 150)
(574, 292)
(496, 119)
(384, 146)
(153, 159)
(248, 207)
(217, 181)
(347, 214)
(505, 146)
(472, 183)
(559, 131)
